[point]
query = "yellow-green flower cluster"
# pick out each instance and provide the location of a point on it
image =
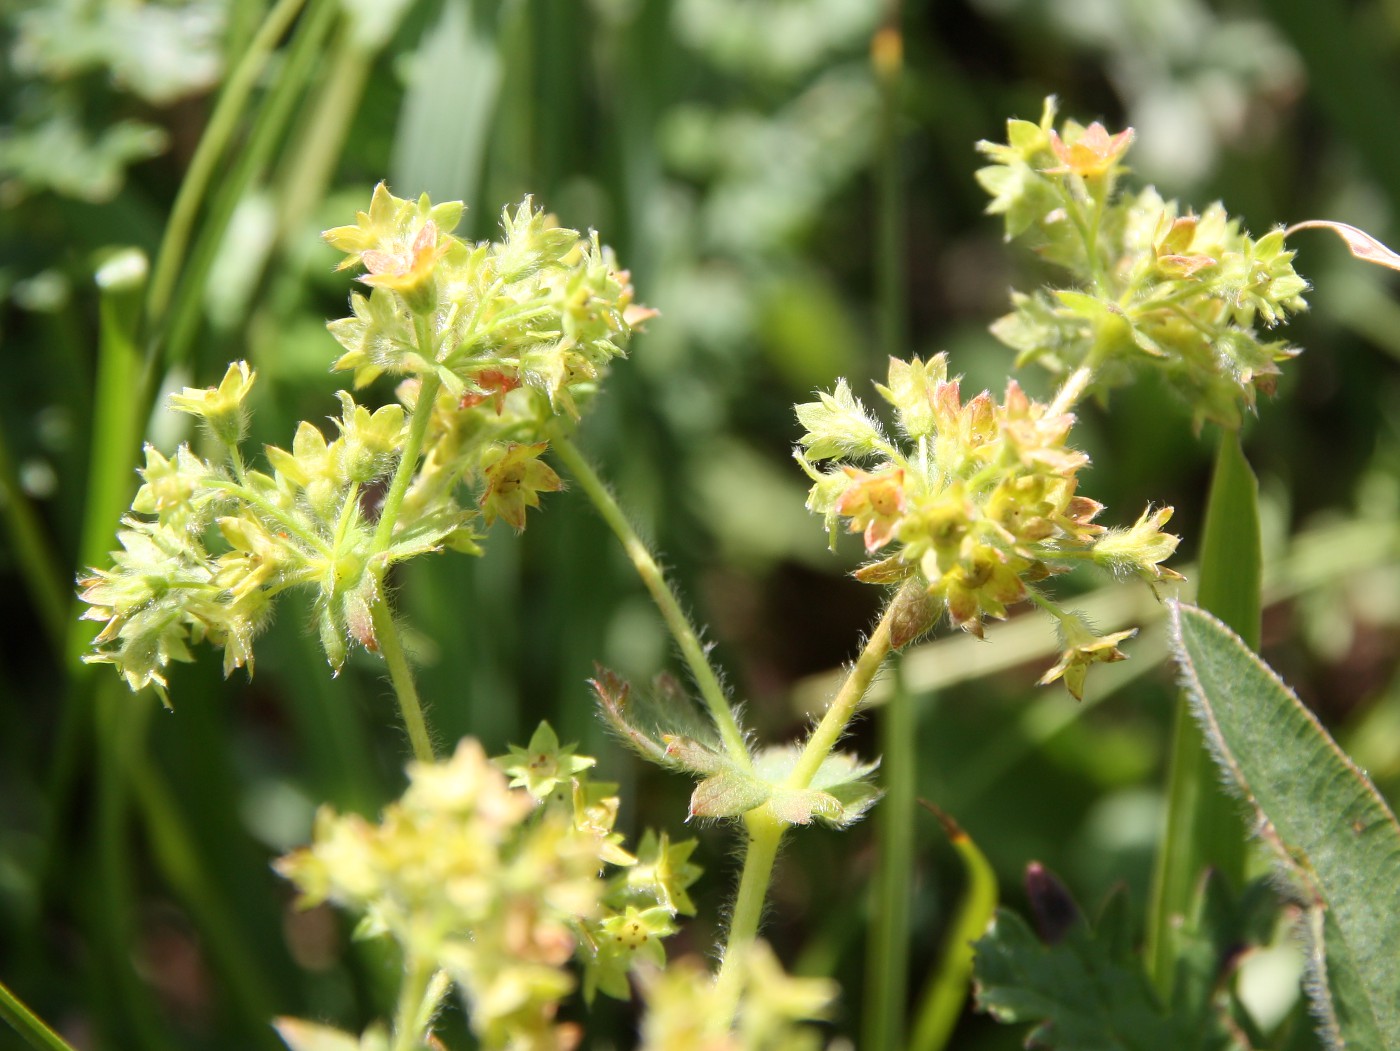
(504, 335)
(490, 872)
(224, 541)
(641, 900)
(467, 878)
(685, 1010)
(978, 501)
(544, 309)
(1154, 285)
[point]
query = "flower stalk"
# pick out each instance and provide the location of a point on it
(692, 650)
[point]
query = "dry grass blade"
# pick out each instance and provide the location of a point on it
(1359, 242)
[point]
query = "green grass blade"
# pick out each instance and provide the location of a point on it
(118, 414)
(28, 1025)
(302, 63)
(1332, 830)
(1231, 560)
(887, 955)
(946, 993)
(887, 970)
(233, 102)
(1203, 827)
(448, 107)
(35, 561)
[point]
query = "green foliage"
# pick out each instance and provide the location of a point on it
(1085, 987)
(726, 149)
(1333, 835)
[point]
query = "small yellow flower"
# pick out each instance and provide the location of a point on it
(1083, 648)
(873, 503)
(221, 408)
(407, 270)
(1092, 154)
(514, 481)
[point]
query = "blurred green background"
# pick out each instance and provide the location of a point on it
(727, 150)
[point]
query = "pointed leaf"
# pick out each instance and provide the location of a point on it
(1332, 829)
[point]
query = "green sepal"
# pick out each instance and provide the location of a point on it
(838, 425)
(543, 764)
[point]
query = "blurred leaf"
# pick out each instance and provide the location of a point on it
(781, 39)
(1332, 831)
(61, 156)
(1088, 991)
(454, 79)
(159, 52)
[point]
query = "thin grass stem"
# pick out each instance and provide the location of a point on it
(233, 101)
(32, 1029)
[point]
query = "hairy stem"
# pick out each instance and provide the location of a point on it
(843, 706)
(765, 831)
(679, 625)
(408, 1033)
(387, 635)
(413, 447)
(1071, 390)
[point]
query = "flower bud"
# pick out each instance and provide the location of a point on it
(220, 408)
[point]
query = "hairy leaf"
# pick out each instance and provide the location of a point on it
(1333, 833)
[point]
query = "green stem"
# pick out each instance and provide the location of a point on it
(401, 676)
(681, 630)
(117, 417)
(408, 1035)
(31, 1028)
(304, 177)
(271, 511)
(765, 833)
(843, 707)
(1071, 390)
(413, 447)
(887, 955)
(887, 951)
(1088, 234)
(216, 137)
(35, 559)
